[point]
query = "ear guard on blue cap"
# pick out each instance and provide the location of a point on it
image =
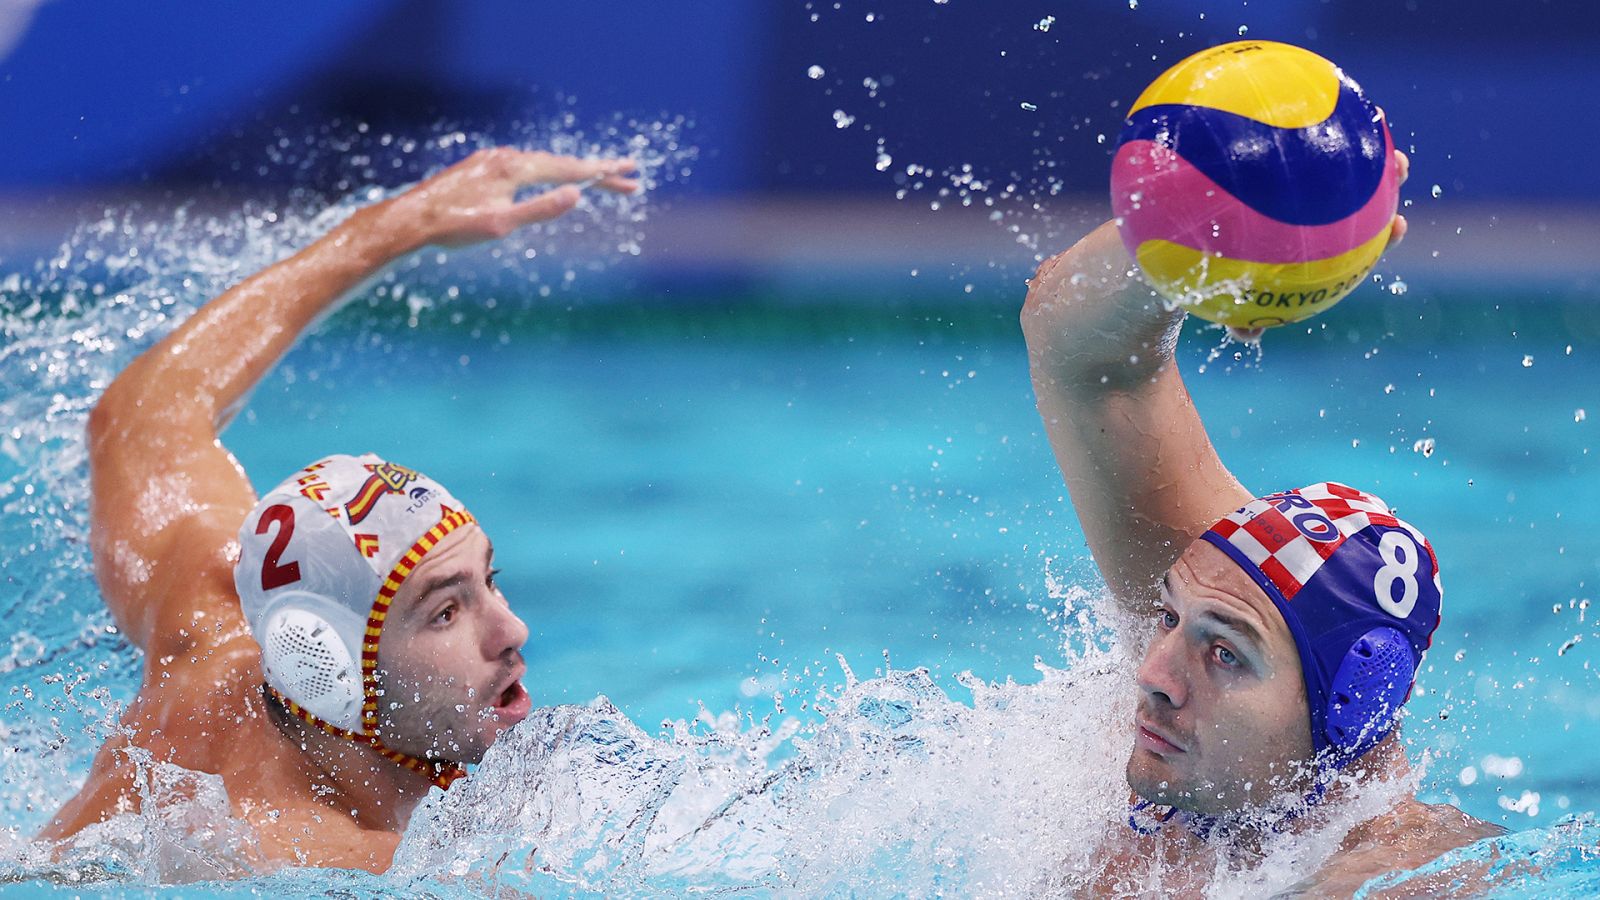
(1368, 690)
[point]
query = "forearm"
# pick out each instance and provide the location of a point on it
(1141, 471)
(198, 375)
(166, 498)
(1092, 324)
(1142, 474)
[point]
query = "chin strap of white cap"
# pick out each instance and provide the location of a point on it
(440, 772)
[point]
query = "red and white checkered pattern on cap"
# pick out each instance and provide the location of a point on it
(1288, 536)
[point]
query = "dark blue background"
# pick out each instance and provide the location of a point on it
(1497, 99)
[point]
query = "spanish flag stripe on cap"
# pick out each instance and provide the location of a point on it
(442, 774)
(380, 607)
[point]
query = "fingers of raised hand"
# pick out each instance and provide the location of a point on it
(1398, 232)
(1403, 163)
(545, 206)
(539, 167)
(619, 183)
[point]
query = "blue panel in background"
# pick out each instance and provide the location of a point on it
(180, 93)
(119, 91)
(109, 90)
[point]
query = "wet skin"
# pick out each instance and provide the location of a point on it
(450, 656)
(1222, 721)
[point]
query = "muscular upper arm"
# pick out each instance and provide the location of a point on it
(166, 504)
(1142, 472)
(1143, 476)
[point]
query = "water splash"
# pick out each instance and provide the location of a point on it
(900, 789)
(183, 831)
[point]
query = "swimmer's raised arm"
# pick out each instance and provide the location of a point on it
(1143, 475)
(167, 498)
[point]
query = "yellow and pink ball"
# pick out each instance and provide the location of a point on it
(1255, 184)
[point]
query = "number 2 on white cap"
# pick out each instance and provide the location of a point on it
(273, 573)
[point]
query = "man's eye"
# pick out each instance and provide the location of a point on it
(446, 615)
(1166, 618)
(490, 580)
(1226, 657)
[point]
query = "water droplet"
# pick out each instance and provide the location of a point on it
(1029, 106)
(1436, 191)
(1044, 23)
(816, 72)
(842, 119)
(1243, 30)
(1579, 415)
(883, 162)
(1397, 287)
(1424, 446)
(1527, 361)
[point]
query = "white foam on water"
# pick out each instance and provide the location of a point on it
(900, 790)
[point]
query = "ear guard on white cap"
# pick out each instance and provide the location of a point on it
(305, 654)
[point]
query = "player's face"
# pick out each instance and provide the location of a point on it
(450, 658)
(1222, 721)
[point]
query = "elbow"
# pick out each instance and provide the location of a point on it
(101, 420)
(108, 416)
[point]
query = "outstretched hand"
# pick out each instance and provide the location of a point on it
(475, 200)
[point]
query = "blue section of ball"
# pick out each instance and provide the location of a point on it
(1302, 176)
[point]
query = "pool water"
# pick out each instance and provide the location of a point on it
(726, 504)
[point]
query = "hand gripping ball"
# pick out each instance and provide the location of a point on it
(1255, 184)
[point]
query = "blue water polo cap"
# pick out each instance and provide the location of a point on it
(1360, 592)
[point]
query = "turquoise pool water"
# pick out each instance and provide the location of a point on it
(712, 504)
(678, 514)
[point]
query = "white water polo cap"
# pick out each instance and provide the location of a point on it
(321, 558)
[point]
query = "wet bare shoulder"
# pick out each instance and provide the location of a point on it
(1413, 835)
